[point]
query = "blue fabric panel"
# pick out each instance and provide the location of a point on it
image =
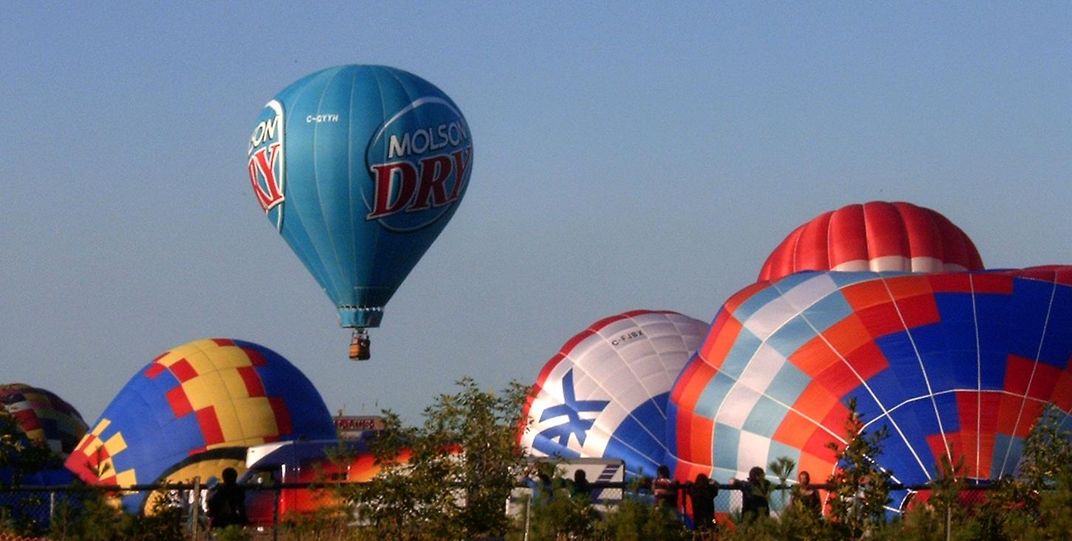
(765, 417)
(947, 408)
(727, 441)
(642, 431)
(712, 396)
(793, 280)
(550, 447)
(795, 333)
(1027, 317)
(788, 384)
(843, 279)
(740, 353)
(1009, 446)
(896, 456)
(903, 363)
(830, 310)
(943, 359)
(1057, 347)
(994, 331)
(758, 300)
(887, 386)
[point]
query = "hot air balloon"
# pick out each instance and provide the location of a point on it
(604, 394)
(198, 407)
(359, 168)
(956, 365)
(875, 236)
(45, 418)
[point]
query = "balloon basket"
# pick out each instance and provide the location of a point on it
(360, 346)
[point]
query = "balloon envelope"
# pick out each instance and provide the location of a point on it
(45, 418)
(604, 394)
(205, 395)
(957, 365)
(360, 168)
(876, 236)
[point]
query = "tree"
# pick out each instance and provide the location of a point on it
(859, 488)
(18, 455)
(1034, 504)
(464, 461)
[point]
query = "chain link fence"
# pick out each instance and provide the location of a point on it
(271, 506)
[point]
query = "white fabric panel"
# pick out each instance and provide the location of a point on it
(625, 363)
(779, 311)
(738, 404)
(762, 369)
(753, 450)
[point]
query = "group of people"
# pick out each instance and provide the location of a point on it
(755, 495)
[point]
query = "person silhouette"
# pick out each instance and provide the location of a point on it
(227, 502)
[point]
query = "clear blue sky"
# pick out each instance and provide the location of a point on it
(627, 155)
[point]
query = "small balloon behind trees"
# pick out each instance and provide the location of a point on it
(604, 394)
(956, 365)
(196, 405)
(360, 168)
(45, 418)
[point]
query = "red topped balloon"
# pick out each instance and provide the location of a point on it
(876, 236)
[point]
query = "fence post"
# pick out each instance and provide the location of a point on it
(195, 510)
(275, 512)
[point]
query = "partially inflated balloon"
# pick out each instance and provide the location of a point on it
(207, 395)
(360, 168)
(876, 236)
(956, 365)
(604, 394)
(45, 418)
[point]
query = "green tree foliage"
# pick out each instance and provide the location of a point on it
(464, 461)
(18, 455)
(1035, 503)
(859, 489)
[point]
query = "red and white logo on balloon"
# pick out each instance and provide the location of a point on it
(266, 171)
(418, 163)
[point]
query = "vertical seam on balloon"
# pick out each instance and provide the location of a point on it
(1031, 378)
(926, 381)
(382, 230)
(629, 414)
(306, 251)
(905, 238)
(319, 195)
(978, 378)
(868, 255)
(350, 174)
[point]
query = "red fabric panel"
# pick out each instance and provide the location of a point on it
(847, 235)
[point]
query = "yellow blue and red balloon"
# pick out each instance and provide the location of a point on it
(206, 396)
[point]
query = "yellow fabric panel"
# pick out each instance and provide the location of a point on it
(258, 419)
(228, 418)
(232, 381)
(126, 478)
(115, 444)
(101, 427)
(205, 390)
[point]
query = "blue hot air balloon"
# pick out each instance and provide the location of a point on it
(360, 168)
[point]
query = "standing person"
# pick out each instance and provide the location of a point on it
(805, 496)
(581, 486)
(755, 492)
(227, 504)
(702, 493)
(665, 489)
